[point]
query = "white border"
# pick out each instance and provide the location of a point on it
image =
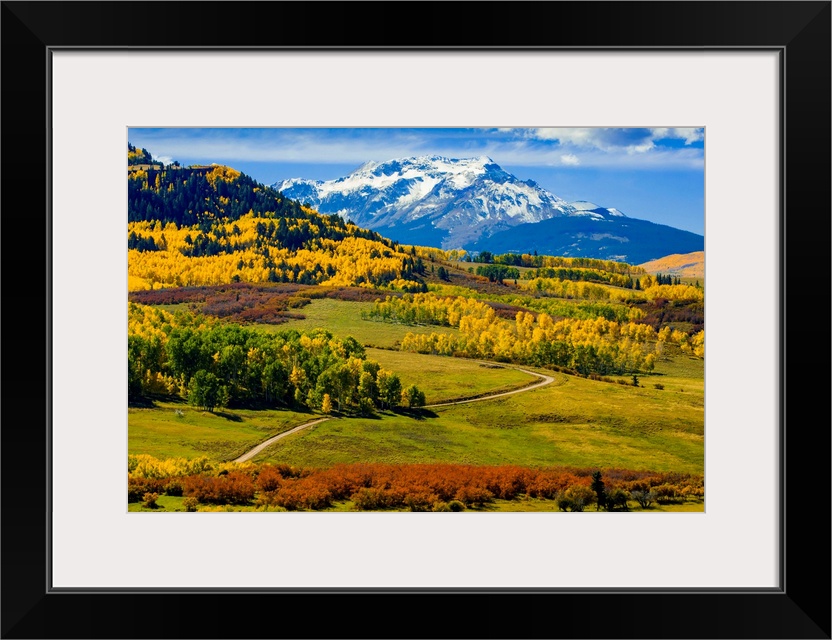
(98, 95)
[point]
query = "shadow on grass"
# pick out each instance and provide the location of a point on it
(233, 417)
(141, 403)
(416, 414)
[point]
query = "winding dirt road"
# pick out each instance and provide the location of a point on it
(544, 380)
(248, 455)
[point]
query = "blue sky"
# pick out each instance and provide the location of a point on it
(655, 174)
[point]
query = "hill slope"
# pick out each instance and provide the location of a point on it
(605, 237)
(687, 265)
(208, 225)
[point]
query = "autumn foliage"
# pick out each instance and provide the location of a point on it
(214, 364)
(415, 487)
(235, 487)
(588, 346)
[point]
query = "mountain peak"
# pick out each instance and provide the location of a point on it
(454, 200)
(473, 203)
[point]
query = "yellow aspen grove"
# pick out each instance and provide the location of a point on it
(244, 250)
(593, 343)
(697, 343)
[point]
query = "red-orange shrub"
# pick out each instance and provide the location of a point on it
(473, 496)
(420, 500)
(303, 493)
(137, 487)
(549, 483)
(233, 488)
(369, 499)
(269, 478)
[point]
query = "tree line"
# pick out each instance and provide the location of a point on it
(213, 364)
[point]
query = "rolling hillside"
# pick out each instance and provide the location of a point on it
(686, 265)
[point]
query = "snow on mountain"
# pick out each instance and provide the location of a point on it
(584, 208)
(472, 203)
(443, 201)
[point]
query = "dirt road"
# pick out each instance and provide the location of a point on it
(250, 454)
(544, 380)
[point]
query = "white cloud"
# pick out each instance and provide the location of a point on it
(631, 140)
(299, 148)
(689, 135)
(552, 147)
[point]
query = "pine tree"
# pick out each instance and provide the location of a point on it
(598, 487)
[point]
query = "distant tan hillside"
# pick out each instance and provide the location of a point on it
(684, 265)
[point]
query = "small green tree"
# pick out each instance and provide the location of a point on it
(616, 500)
(204, 390)
(223, 397)
(575, 498)
(644, 498)
(367, 387)
(389, 388)
(365, 406)
(413, 397)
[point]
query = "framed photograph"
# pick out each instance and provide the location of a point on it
(435, 331)
(236, 112)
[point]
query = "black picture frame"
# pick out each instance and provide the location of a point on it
(800, 608)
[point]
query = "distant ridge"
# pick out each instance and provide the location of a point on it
(684, 265)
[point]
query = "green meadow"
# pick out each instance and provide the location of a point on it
(176, 430)
(343, 318)
(574, 421)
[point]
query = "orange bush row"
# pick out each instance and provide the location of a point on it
(420, 487)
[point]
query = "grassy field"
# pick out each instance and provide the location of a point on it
(169, 504)
(164, 503)
(574, 421)
(223, 435)
(343, 319)
(444, 378)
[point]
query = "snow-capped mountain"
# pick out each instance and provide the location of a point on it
(459, 203)
(451, 202)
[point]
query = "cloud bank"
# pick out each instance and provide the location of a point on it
(630, 148)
